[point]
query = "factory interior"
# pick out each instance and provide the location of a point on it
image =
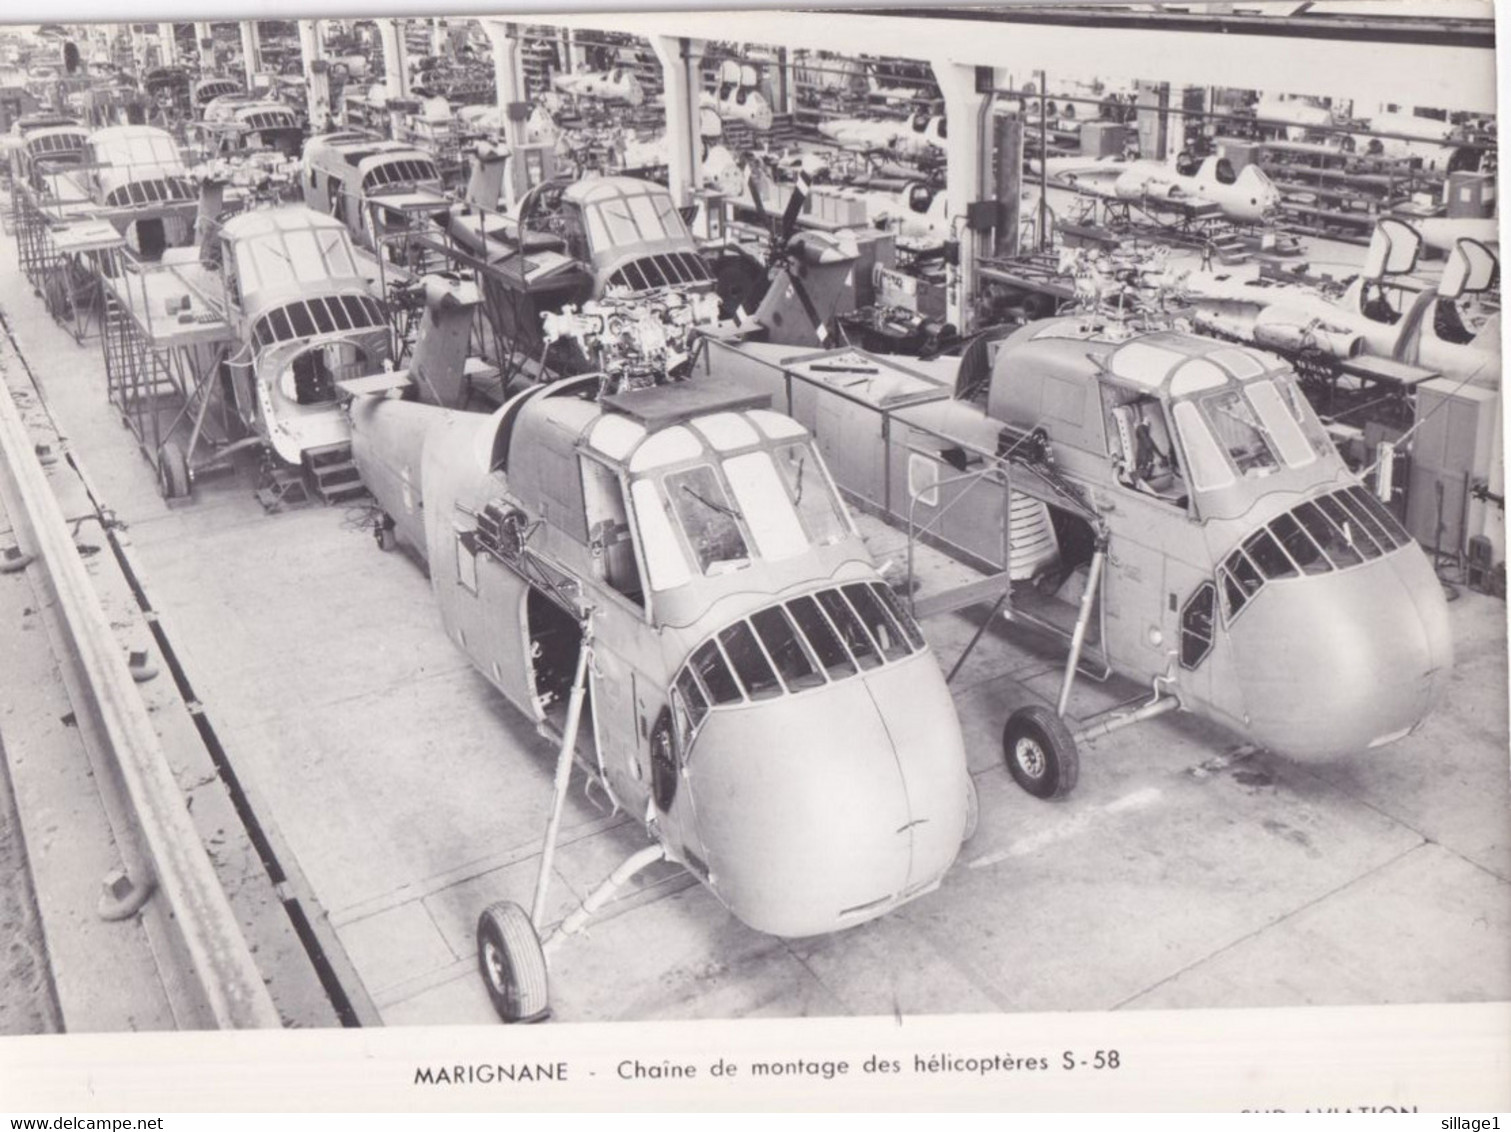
(416, 612)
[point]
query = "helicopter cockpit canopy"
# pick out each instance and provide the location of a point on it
(716, 492)
(289, 248)
(620, 213)
(1223, 419)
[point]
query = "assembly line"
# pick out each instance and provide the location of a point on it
(862, 534)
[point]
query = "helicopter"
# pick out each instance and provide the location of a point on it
(1209, 541)
(374, 185)
(660, 574)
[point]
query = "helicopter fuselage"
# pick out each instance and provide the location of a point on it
(1248, 572)
(759, 699)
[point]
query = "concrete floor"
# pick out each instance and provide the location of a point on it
(1184, 871)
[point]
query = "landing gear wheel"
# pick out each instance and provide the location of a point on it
(172, 472)
(512, 963)
(972, 809)
(383, 534)
(1040, 752)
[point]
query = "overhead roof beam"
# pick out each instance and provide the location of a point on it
(1444, 75)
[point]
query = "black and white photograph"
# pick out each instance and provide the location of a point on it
(523, 526)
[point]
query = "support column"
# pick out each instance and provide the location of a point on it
(680, 59)
(782, 87)
(250, 61)
(204, 39)
(317, 77)
(508, 77)
(167, 44)
(395, 60)
(138, 48)
(965, 178)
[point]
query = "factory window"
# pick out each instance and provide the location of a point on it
(711, 525)
(1196, 625)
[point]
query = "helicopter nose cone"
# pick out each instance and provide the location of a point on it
(825, 809)
(1347, 661)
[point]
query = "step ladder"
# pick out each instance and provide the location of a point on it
(333, 474)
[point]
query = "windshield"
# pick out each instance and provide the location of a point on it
(1252, 431)
(1239, 432)
(138, 149)
(621, 221)
(399, 171)
(280, 258)
(712, 518)
(1281, 424)
(711, 525)
(811, 494)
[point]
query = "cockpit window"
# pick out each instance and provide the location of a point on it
(1239, 432)
(768, 504)
(878, 622)
(850, 628)
(750, 662)
(1302, 548)
(1265, 553)
(618, 220)
(1329, 532)
(708, 662)
(812, 496)
(692, 697)
(794, 646)
(821, 635)
(763, 501)
(1354, 533)
(1205, 464)
(711, 524)
(1283, 427)
(786, 649)
(1332, 540)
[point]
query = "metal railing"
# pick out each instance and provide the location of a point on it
(227, 977)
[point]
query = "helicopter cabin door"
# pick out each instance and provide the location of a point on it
(625, 694)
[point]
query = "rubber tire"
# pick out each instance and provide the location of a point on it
(523, 992)
(172, 472)
(1046, 730)
(383, 534)
(972, 809)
